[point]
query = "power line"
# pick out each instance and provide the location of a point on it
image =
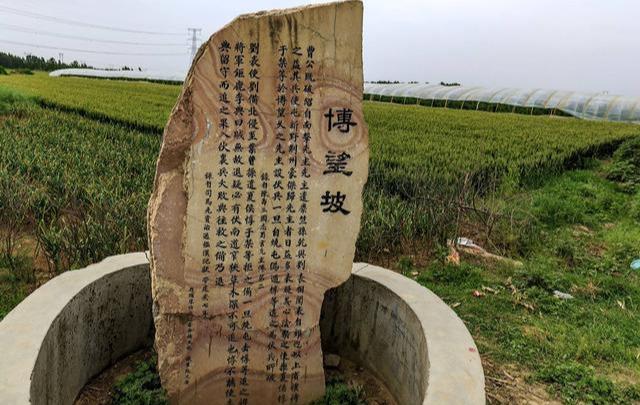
(30, 14)
(18, 28)
(90, 51)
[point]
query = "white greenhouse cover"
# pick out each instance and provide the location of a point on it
(593, 106)
(120, 74)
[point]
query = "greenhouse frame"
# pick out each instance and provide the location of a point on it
(591, 106)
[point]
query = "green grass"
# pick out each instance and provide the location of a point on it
(626, 166)
(582, 240)
(12, 293)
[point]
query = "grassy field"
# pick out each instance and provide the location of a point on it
(75, 179)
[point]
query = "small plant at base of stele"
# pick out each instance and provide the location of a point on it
(143, 387)
(340, 393)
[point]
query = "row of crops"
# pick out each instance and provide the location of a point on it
(142, 105)
(88, 180)
(78, 187)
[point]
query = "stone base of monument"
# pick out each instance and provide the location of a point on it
(84, 321)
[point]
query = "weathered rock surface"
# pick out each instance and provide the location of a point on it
(256, 205)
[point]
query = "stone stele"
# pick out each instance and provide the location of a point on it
(256, 206)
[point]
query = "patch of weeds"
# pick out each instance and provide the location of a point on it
(141, 387)
(621, 248)
(16, 269)
(8, 98)
(3, 71)
(440, 252)
(612, 288)
(11, 294)
(625, 168)
(405, 265)
(576, 252)
(634, 209)
(578, 383)
(14, 202)
(465, 274)
(519, 236)
(340, 393)
(577, 198)
(541, 272)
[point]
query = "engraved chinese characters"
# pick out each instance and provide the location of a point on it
(256, 206)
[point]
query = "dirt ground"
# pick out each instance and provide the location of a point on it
(507, 385)
(375, 392)
(98, 390)
(504, 385)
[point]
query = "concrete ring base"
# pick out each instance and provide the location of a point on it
(83, 321)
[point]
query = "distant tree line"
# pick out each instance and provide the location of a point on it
(36, 63)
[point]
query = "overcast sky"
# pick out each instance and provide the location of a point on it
(586, 45)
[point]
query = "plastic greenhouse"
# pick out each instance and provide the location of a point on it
(120, 74)
(592, 106)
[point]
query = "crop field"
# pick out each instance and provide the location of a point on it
(77, 159)
(422, 159)
(79, 196)
(140, 104)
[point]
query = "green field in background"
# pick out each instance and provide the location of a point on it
(419, 155)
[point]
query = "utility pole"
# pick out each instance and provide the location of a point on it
(61, 58)
(193, 33)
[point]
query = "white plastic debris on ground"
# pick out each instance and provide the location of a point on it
(120, 74)
(467, 243)
(562, 296)
(468, 246)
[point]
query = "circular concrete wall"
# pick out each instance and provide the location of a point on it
(404, 334)
(83, 321)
